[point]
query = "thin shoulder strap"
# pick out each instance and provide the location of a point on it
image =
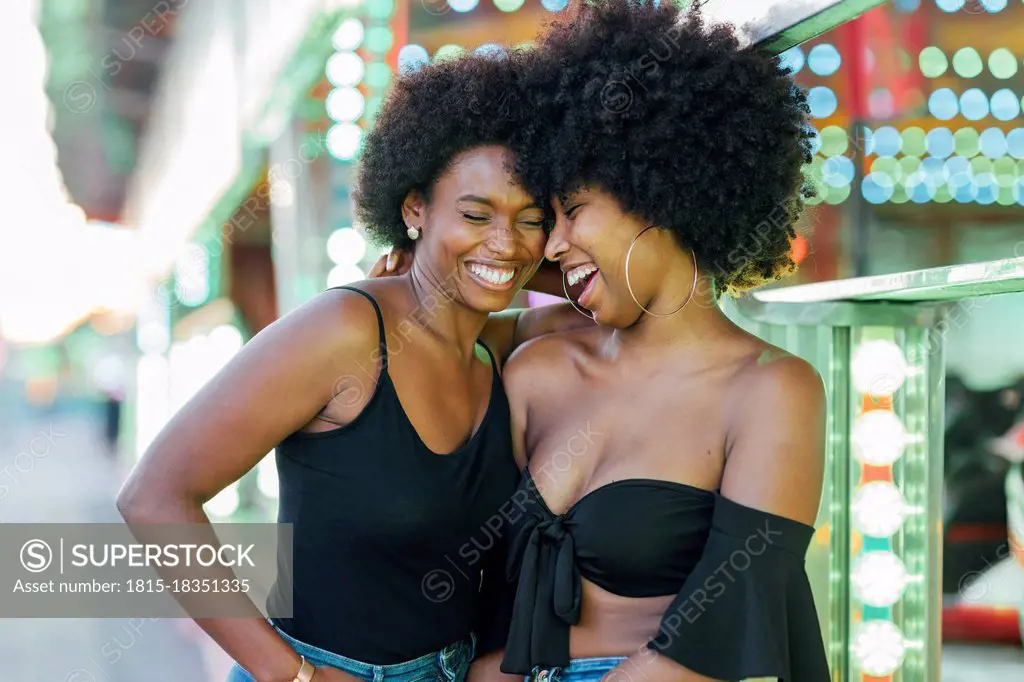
(380, 323)
(494, 363)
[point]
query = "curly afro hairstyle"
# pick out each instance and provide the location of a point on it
(688, 129)
(431, 116)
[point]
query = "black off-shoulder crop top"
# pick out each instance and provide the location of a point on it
(743, 608)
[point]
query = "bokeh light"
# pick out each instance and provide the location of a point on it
(888, 141)
(824, 59)
(463, 5)
(833, 140)
(508, 5)
(822, 101)
(349, 35)
(933, 62)
(943, 104)
(974, 104)
(412, 57)
(345, 69)
(1015, 143)
(939, 142)
(1005, 105)
(967, 62)
(965, 142)
(1002, 63)
(992, 143)
(449, 51)
(792, 59)
(914, 141)
(345, 105)
(343, 141)
(554, 5)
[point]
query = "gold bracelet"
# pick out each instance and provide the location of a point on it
(306, 671)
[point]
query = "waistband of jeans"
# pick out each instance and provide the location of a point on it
(576, 666)
(444, 658)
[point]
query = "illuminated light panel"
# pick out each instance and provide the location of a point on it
(879, 647)
(873, 474)
(412, 58)
(879, 578)
(508, 5)
(824, 59)
(345, 69)
(349, 35)
(463, 5)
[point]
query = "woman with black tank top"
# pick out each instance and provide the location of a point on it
(386, 408)
(672, 462)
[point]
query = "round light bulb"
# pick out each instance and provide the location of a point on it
(345, 105)
(343, 140)
(346, 246)
(349, 35)
(878, 438)
(878, 509)
(878, 368)
(345, 69)
(341, 275)
(879, 648)
(879, 578)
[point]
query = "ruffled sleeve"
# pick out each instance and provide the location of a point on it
(747, 610)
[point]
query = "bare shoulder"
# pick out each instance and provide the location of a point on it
(774, 377)
(544, 354)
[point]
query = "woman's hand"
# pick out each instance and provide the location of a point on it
(397, 262)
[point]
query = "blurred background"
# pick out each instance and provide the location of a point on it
(178, 176)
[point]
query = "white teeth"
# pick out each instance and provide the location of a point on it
(492, 275)
(578, 274)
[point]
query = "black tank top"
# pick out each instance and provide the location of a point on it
(395, 547)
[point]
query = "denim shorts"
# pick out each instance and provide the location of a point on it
(447, 665)
(579, 670)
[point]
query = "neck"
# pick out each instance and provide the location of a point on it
(697, 323)
(439, 311)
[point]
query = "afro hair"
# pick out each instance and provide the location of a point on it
(431, 116)
(685, 127)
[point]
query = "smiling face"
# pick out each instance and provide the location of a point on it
(590, 240)
(482, 234)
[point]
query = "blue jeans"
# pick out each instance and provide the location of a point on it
(447, 665)
(579, 670)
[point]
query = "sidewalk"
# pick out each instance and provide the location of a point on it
(68, 477)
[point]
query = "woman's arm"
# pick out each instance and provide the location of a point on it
(775, 454)
(279, 382)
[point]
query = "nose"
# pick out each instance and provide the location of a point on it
(502, 240)
(558, 240)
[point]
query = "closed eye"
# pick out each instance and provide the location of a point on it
(473, 217)
(572, 210)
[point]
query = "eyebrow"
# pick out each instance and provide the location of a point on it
(488, 202)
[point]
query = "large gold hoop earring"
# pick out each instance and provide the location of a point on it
(693, 288)
(580, 310)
